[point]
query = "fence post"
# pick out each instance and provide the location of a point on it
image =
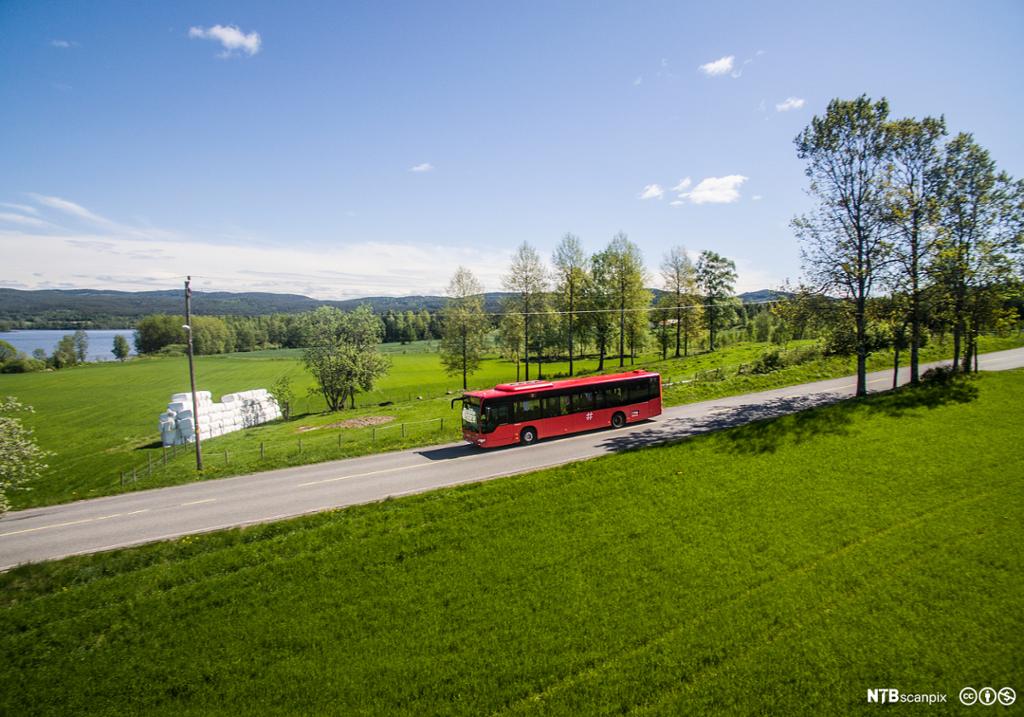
(149, 469)
(374, 436)
(442, 424)
(403, 430)
(122, 479)
(165, 455)
(261, 450)
(225, 456)
(339, 439)
(135, 476)
(300, 446)
(174, 450)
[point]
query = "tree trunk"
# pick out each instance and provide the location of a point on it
(915, 306)
(862, 343)
(956, 347)
(622, 332)
(463, 358)
(679, 319)
(711, 324)
(896, 366)
(570, 326)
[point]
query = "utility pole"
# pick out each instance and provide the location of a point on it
(192, 371)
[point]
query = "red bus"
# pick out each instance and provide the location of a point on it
(529, 410)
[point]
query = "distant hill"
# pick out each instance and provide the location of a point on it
(750, 297)
(94, 308)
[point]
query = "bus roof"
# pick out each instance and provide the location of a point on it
(503, 390)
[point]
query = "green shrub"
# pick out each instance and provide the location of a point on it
(22, 364)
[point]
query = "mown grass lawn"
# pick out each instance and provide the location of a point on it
(784, 567)
(100, 420)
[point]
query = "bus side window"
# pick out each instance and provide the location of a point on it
(528, 410)
(654, 387)
(497, 415)
(551, 409)
(583, 401)
(614, 396)
(639, 391)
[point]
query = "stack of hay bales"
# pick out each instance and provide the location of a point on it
(235, 412)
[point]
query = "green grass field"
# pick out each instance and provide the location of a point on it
(100, 420)
(784, 567)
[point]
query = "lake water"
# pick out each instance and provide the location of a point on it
(101, 341)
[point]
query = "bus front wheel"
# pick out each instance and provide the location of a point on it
(619, 420)
(528, 436)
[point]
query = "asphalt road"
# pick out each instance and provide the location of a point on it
(99, 524)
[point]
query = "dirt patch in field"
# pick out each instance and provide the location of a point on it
(364, 422)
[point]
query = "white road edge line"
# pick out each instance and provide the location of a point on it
(73, 522)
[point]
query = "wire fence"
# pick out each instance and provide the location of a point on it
(322, 442)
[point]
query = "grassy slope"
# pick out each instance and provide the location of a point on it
(100, 419)
(786, 566)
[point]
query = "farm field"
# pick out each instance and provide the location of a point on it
(786, 567)
(100, 420)
(124, 432)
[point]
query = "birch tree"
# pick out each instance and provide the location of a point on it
(844, 240)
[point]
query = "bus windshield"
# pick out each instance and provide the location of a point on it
(471, 413)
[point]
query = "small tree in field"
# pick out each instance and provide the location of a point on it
(342, 353)
(21, 458)
(716, 277)
(465, 325)
(81, 344)
(284, 394)
(121, 348)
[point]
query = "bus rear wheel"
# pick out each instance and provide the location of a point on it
(528, 436)
(618, 420)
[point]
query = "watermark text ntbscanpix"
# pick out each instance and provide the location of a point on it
(891, 695)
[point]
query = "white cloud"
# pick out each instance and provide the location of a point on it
(652, 191)
(24, 208)
(77, 211)
(63, 44)
(716, 190)
(720, 66)
(425, 167)
(757, 198)
(791, 103)
(86, 250)
(230, 37)
(677, 203)
(683, 185)
(11, 218)
(638, 81)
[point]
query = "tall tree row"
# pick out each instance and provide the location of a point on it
(897, 209)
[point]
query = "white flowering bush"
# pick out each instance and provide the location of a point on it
(21, 458)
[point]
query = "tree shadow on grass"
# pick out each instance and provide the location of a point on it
(908, 398)
(765, 427)
(756, 430)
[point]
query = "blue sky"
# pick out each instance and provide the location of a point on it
(270, 146)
